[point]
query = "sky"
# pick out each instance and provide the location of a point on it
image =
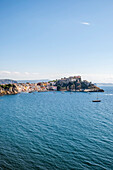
(50, 39)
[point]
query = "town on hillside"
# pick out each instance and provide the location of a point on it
(73, 84)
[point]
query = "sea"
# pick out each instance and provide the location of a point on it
(56, 130)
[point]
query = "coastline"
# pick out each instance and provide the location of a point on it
(70, 84)
(6, 92)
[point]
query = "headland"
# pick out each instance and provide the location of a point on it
(71, 84)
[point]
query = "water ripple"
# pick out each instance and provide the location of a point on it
(55, 131)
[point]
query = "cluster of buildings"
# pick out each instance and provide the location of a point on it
(40, 87)
(46, 86)
(69, 80)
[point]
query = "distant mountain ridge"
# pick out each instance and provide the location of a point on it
(105, 84)
(33, 81)
(7, 81)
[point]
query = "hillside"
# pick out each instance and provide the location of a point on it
(7, 81)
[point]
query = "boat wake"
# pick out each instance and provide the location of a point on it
(109, 94)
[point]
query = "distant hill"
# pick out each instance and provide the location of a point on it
(105, 84)
(7, 81)
(33, 81)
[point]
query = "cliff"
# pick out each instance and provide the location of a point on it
(8, 89)
(76, 84)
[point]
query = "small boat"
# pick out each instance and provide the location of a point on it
(96, 99)
(30, 91)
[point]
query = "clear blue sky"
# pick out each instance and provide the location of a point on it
(53, 38)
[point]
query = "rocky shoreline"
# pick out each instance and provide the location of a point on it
(8, 89)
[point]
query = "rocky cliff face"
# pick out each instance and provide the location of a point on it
(8, 89)
(77, 85)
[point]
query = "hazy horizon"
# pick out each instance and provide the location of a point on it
(93, 78)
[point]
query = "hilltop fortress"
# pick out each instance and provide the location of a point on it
(73, 83)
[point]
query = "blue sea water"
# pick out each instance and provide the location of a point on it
(56, 131)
